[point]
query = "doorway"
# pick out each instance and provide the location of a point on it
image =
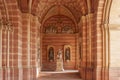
(59, 32)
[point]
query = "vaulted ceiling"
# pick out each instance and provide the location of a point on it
(41, 8)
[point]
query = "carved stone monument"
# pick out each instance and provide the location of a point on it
(59, 66)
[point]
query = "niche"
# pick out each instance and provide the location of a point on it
(67, 53)
(50, 53)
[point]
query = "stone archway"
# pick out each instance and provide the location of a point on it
(59, 31)
(110, 29)
(111, 20)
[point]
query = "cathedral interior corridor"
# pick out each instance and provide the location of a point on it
(59, 40)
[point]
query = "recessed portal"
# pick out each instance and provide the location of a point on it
(59, 33)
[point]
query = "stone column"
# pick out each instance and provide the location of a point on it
(77, 51)
(89, 25)
(87, 55)
(38, 55)
(0, 43)
(8, 49)
(1, 50)
(84, 48)
(106, 53)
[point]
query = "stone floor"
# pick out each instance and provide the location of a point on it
(65, 75)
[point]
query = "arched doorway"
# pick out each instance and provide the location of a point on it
(110, 31)
(59, 32)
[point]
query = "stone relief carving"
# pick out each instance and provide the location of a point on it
(59, 24)
(67, 29)
(53, 29)
(50, 29)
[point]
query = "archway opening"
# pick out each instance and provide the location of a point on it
(59, 32)
(114, 29)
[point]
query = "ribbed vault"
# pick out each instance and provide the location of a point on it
(42, 7)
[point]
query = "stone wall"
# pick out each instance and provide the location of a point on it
(18, 49)
(58, 41)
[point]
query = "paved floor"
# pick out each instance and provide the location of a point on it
(66, 75)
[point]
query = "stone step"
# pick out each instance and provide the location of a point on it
(65, 75)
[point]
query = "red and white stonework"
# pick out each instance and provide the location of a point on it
(94, 40)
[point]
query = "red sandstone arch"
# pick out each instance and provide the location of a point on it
(109, 27)
(103, 22)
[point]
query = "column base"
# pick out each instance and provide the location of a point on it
(14, 73)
